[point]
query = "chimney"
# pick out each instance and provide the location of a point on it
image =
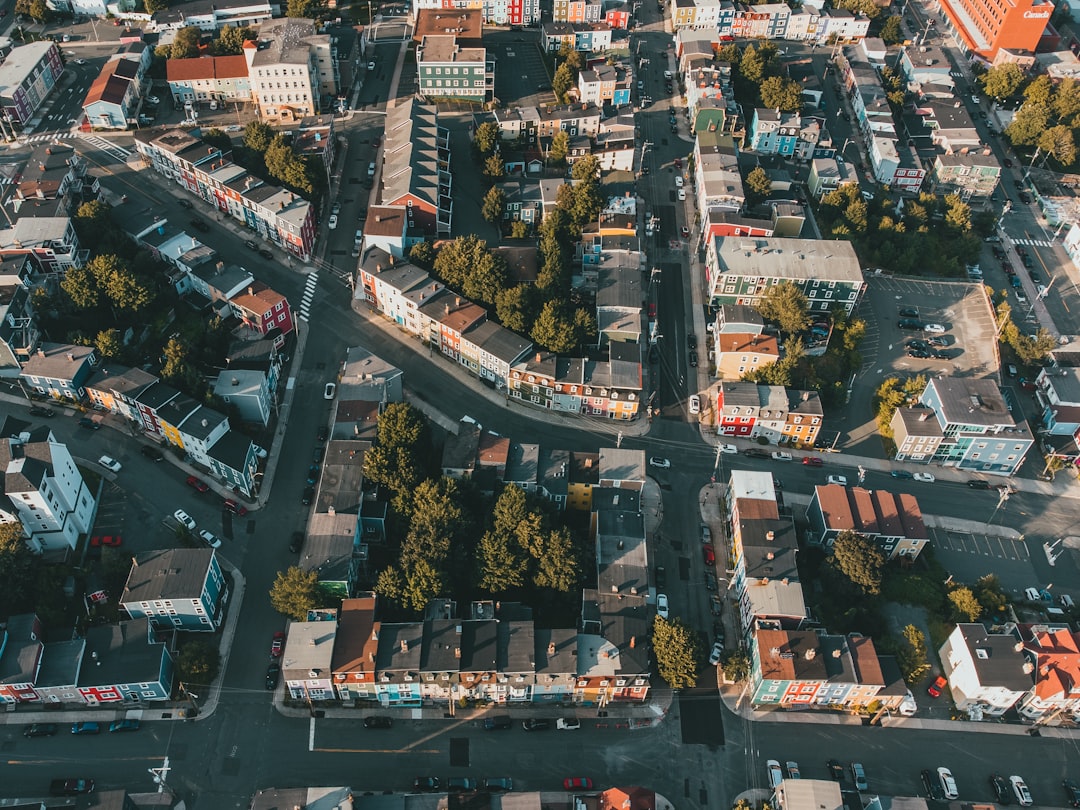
(404, 646)
(551, 649)
(538, 357)
(770, 536)
(457, 652)
(70, 357)
(235, 381)
(457, 300)
(251, 290)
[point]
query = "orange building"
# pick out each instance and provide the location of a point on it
(988, 26)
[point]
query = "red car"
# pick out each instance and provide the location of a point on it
(577, 782)
(196, 484)
(278, 644)
(934, 689)
(709, 554)
(106, 540)
(813, 461)
(232, 506)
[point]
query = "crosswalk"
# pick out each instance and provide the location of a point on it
(113, 150)
(1032, 243)
(309, 295)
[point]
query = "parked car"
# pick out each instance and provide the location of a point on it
(536, 724)
(1072, 791)
(185, 204)
(978, 483)
(307, 496)
(266, 253)
(498, 784)
(657, 461)
(197, 484)
(123, 725)
(934, 328)
(934, 689)
(717, 653)
(948, 784)
(296, 542)
(152, 453)
(461, 784)
(199, 224)
(184, 519)
(85, 728)
(40, 730)
(577, 783)
(925, 478)
(1002, 789)
(813, 461)
(729, 449)
(792, 768)
(378, 721)
(909, 325)
(70, 787)
(40, 410)
(858, 774)
(909, 312)
(901, 474)
(210, 538)
(89, 424)
(426, 784)
(229, 505)
(277, 644)
(109, 463)
(708, 555)
(779, 455)
(331, 223)
(567, 724)
(273, 675)
(837, 479)
(694, 403)
(776, 774)
(753, 452)
(662, 609)
(836, 770)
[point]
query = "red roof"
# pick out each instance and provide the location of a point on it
(206, 67)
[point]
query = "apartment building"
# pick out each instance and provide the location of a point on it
(290, 67)
(986, 27)
(208, 78)
(416, 170)
(446, 69)
(27, 76)
(892, 521)
(211, 15)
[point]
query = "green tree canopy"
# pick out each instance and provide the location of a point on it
(859, 560)
(185, 45)
(911, 654)
(1028, 125)
(81, 287)
(516, 307)
(786, 305)
(966, 607)
(285, 165)
(737, 666)
(758, 184)
(108, 343)
(466, 264)
(302, 8)
(494, 167)
(1059, 142)
(891, 32)
(486, 137)
(1002, 81)
(257, 136)
(295, 592)
(778, 93)
(422, 254)
(15, 566)
(198, 663)
(564, 79)
(230, 40)
(494, 202)
(553, 328)
(677, 653)
(154, 6)
(560, 146)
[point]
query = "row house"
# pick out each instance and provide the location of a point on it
(59, 370)
(498, 12)
(270, 211)
(964, 423)
(1057, 392)
(263, 309)
(708, 86)
(701, 14)
(529, 124)
(604, 84)
(212, 17)
(895, 164)
(416, 169)
(1054, 659)
(740, 270)
(307, 660)
(610, 389)
(466, 24)
(45, 490)
(618, 17)
(577, 11)
(891, 521)
(765, 21)
(717, 181)
(356, 648)
(51, 242)
(446, 70)
(773, 132)
(739, 353)
(192, 426)
(616, 151)
(20, 335)
(808, 669)
(771, 411)
(55, 172)
(250, 392)
(971, 176)
(987, 672)
(556, 35)
(314, 139)
(177, 588)
(521, 201)
(208, 78)
(27, 77)
(827, 174)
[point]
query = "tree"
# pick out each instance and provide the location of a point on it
(501, 563)
(990, 594)
(1030, 121)
(154, 6)
(422, 254)
(230, 40)
(519, 229)
(891, 33)
(562, 81)
(108, 343)
(758, 184)
(218, 138)
(40, 11)
(1066, 102)
(677, 654)
(113, 278)
(778, 93)
(301, 8)
(571, 56)
(486, 137)
(516, 307)
(552, 329)
(389, 585)
(494, 166)
(1059, 142)
(859, 560)
(867, 8)
(295, 593)
(787, 306)
(468, 265)
(586, 169)
(198, 663)
(257, 136)
(911, 654)
(185, 45)
(285, 165)
(422, 584)
(494, 202)
(737, 666)
(966, 606)
(436, 517)
(81, 287)
(1002, 81)
(957, 213)
(176, 369)
(560, 146)
(15, 565)
(1040, 90)
(752, 65)
(557, 564)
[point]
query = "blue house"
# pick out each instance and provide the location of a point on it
(60, 370)
(125, 662)
(180, 587)
(773, 132)
(978, 430)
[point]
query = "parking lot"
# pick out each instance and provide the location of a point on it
(968, 556)
(521, 75)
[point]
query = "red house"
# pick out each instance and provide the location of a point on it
(263, 309)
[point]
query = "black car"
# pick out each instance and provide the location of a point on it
(273, 675)
(919, 354)
(654, 354)
(324, 431)
(185, 204)
(308, 496)
(691, 341)
(1027, 260)
(152, 452)
(755, 453)
(836, 770)
(978, 483)
(1035, 277)
(40, 730)
(940, 343)
(915, 343)
(199, 224)
(89, 424)
(661, 576)
(533, 724)
(930, 784)
(426, 784)
(296, 542)
(1025, 198)
(317, 455)
(266, 253)
(40, 410)
(909, 312)
(940, 355)
(693, 359)
(378, 721)
(1002, 789)
(1072, 791)
(500, 722)
(910, 325)
(901, 474)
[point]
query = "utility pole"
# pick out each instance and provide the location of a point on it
(159, 775)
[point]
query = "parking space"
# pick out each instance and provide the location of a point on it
(968, 556)
(521, 73)
(966, 348)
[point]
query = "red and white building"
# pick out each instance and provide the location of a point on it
(263, 309)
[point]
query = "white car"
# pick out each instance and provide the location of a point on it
(781, 456)
(695, 403)
(1020, 790)
(716, 654)
(109, 463)
(934, 328)
(776, 776)
(1032, 594)
(662, 463)
(209, 538)
(329, 391)
(567, 724)
(837, 479)
(371, 169)
(926, 478)
(371, 65)
(908, 706)
(682, 194)
(678, 181)
(184, 519)
(332, 222)
(662, 609)
(948, 784)
(80, 61)
(729, 449)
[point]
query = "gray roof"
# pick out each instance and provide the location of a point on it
(284, 41)
(309, 648)
(916, 425)
(399, 649)
(554, 467)
(411, 153)
(622, 464)
(120, 380)
(58, 361)
(621, 551)
(342, 476)
(777, 257)
(556, 651)
(480, 647)
(517, 647)
(175, 573)
(202, 422)
(617, 641)
(231, 450)
(1066, 384)
(21, 659)
(61, 662)
(20, 63)
(620, 286)
(120, 654)
(498, 341)
(996, 659)
(968, 401)
(522, 464)
(769, 558)
(329, 546)
(442, 646)
(460, 451)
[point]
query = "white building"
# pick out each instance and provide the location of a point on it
(987, 672)
(289, 67)
(46, 490)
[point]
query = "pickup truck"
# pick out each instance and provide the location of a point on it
(70, 787)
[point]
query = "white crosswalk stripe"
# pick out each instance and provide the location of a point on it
(309, 295)
(1032, 243)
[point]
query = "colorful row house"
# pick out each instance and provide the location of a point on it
(782, 416)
